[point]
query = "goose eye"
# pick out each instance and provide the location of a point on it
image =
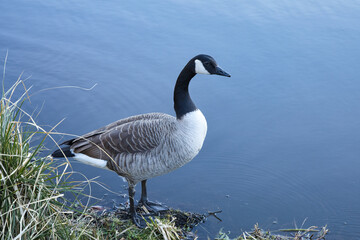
(208, 64)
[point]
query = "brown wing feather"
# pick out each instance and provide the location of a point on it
(122, 122)
(136, 134)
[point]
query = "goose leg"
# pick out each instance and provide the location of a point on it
(134, 216)
(151, 206)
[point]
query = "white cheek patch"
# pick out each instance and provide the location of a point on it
(199, 67)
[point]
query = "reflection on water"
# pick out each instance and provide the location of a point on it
(283, 136)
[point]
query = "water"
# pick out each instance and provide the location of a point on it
(284, 133)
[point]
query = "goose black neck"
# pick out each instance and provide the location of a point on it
(182, 101)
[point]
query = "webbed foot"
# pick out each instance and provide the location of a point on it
(153, 207)
(138, 220)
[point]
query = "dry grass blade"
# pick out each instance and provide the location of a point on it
(28, 193)
(259, 234)
(165, 228)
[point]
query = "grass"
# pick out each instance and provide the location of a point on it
(311, 233)
(31, 185)
(171, 225)
(110, 226)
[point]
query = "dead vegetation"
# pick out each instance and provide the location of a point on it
(311, 233)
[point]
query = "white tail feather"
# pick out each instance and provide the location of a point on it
(90, 161)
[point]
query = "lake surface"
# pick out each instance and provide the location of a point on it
(283, 132)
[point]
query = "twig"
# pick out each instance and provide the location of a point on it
(214, 214)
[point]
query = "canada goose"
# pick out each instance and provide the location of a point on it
(148, 145)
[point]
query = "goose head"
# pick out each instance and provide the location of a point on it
(205, 64)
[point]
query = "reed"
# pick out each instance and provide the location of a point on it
(32, 187)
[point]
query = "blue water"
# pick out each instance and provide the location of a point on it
(283, 132)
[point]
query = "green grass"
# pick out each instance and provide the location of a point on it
(112, 226)
(30, 185)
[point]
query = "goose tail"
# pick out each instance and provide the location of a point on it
(63, 152)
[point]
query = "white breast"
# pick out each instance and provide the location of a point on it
(194, 127)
